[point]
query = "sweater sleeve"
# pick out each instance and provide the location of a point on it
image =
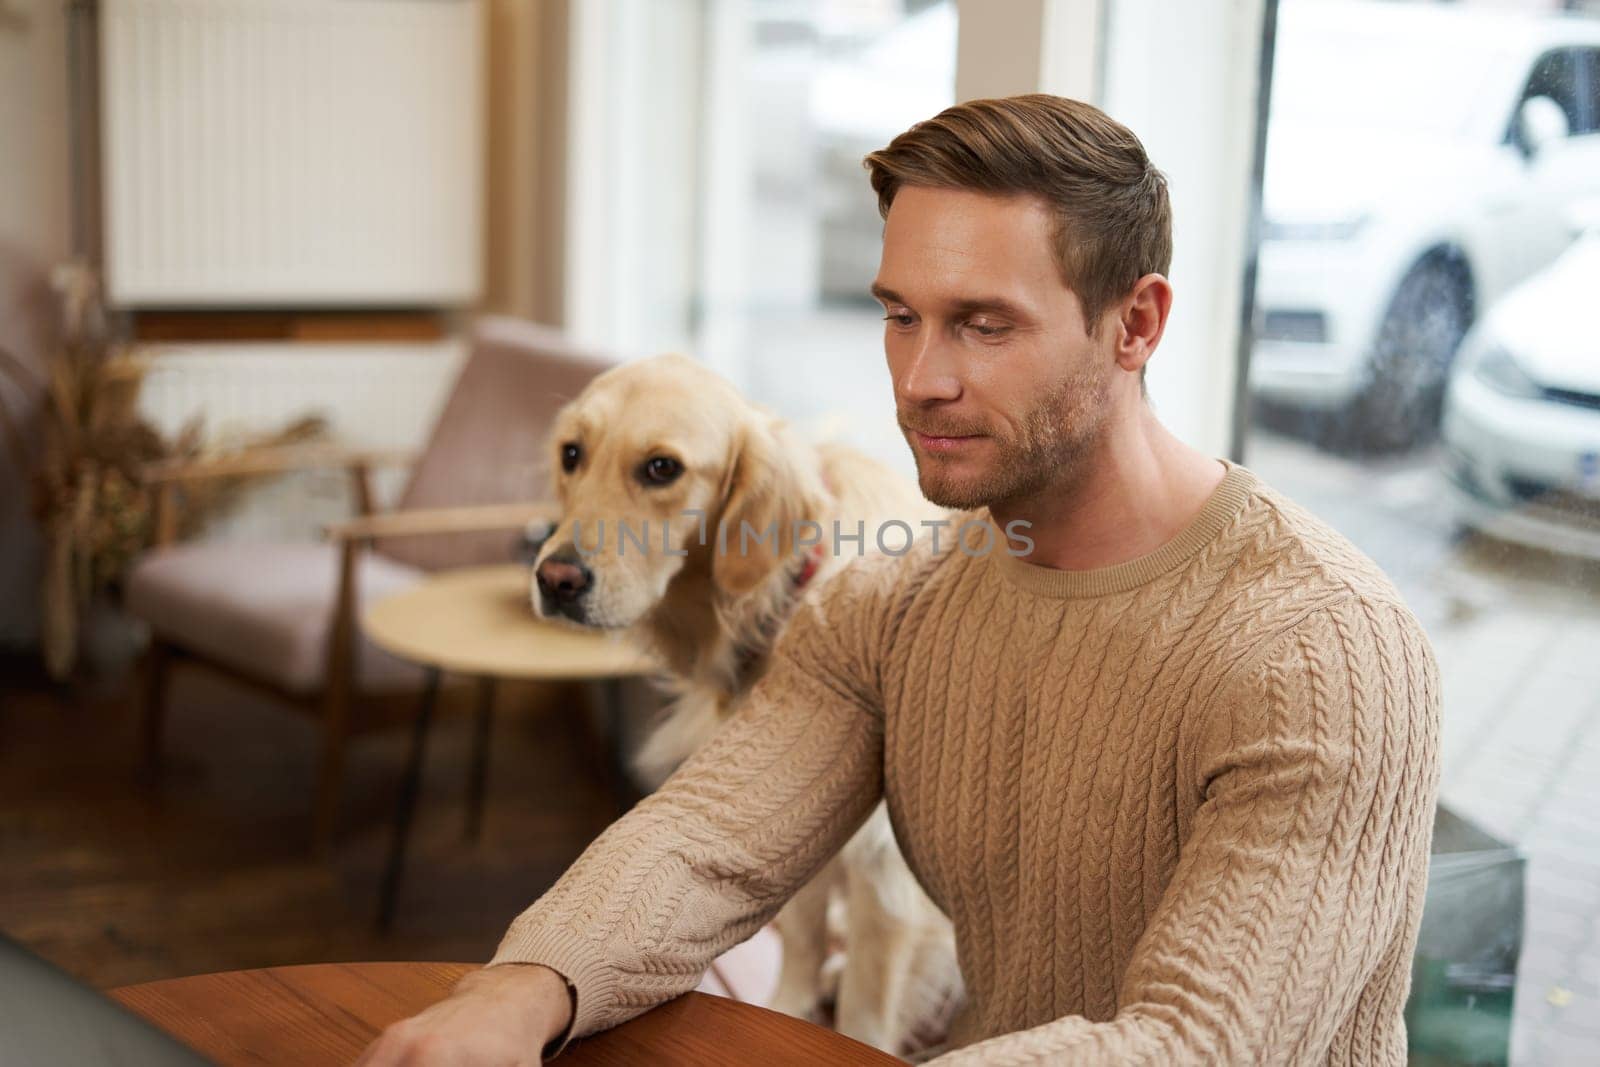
(705, 861)
(1316, 765)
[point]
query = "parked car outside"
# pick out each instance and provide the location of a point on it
(1420, 161)
(1521, 423)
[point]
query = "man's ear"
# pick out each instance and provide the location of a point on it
(769, 493)
(1141, 319)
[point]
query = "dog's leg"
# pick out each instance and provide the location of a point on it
(879, 953)
(803, 925)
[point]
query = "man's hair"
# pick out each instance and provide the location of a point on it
(1113, 218)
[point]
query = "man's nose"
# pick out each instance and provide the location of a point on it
(563, 580)
(925, 375)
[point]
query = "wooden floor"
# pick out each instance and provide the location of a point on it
(118, 881)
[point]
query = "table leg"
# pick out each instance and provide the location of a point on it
(482, 728)
(621, 780)
(410, 784)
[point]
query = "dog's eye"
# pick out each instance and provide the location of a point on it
(571, 455)
(660, 470)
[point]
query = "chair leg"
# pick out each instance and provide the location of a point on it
(330, 763)
(153, 707)
(622, 787)
(406, 806)
(482, 725)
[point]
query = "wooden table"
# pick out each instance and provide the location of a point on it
(325, 1014)
(479, 621)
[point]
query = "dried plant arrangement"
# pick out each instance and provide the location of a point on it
(86, 473)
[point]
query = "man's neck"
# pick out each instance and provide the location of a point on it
(1136, 492)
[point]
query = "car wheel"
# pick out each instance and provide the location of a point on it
(1430, 313)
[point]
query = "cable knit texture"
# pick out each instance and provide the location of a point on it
(1178, 809)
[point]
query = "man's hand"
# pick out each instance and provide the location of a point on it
(500, 1015)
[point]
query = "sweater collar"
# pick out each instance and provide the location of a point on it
(1220, 508)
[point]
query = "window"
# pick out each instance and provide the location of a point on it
(820, 84)
(1589, 89)
(1556, 76)
(1425, 377)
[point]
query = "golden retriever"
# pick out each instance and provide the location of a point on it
(671, 448)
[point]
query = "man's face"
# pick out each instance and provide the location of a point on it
(1000, 389)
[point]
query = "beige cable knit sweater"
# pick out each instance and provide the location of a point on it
(1179, 809)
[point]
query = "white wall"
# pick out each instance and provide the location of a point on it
(1008, 47)
(1183, 76)
(34, 234)
(34, 190)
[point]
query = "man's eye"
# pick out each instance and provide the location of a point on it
(984, 329)
(660, 470)
(571, 456)
(899, 318)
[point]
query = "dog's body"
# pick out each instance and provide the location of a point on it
(713, 616)
(899, 961)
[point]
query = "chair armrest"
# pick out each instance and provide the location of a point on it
(272, 460)
(415, 522)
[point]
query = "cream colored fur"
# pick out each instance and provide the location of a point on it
(713, 618)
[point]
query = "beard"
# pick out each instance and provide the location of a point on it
(1049, 448)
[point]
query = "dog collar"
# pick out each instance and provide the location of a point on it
(747, 655)
(809, 568)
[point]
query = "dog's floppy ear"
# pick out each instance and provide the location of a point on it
(769, 493)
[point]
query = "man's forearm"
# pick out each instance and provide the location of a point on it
(710, 857)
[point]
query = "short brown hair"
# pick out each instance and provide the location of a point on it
(1113, 218)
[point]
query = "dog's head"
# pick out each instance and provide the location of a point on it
(649, 462)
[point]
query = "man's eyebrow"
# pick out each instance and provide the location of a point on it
(997, 304)
(967, 306)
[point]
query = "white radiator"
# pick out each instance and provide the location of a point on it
(292, 152)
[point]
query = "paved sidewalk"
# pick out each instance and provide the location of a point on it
(1522, 759)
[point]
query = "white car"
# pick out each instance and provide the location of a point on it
(1521, 427)
(1419, 162)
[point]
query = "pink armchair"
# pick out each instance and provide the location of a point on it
(283, 616)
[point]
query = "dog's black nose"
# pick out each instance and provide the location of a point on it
(563, 580)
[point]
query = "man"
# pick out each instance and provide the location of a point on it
(1171, 774)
